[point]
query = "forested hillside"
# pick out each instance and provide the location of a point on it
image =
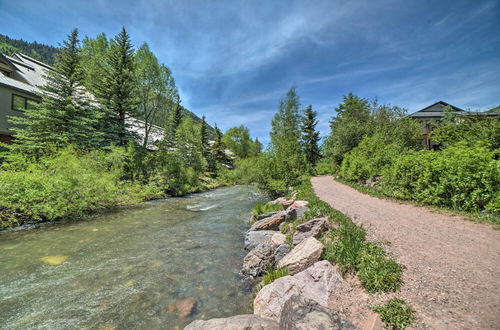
(44, 53)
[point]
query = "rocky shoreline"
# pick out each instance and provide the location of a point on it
(300, 299)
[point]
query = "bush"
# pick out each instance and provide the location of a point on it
(459, 177)
(63, 185)
(368, 159)
(396, 314)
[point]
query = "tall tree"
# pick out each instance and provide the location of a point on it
(348, 127)
(94, 53)
(156, 89)
(237, 139)
(117, 91)
(285, 141)
(188, 145)
(65, 114)
(310, 137)
(174, 122)
(256, 147)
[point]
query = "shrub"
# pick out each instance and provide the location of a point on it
(459, 177)
(368, 159)
(396, 314)
(65, 185)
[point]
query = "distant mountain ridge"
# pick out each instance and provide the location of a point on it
(41, 52)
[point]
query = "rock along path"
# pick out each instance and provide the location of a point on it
(452, 275)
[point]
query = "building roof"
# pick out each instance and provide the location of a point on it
(437, 110)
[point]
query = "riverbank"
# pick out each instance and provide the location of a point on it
(128, 269)
(306, 257)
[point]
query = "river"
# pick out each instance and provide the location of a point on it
(123, 269)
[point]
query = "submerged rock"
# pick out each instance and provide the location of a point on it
(186, 307)
(312, 228)
(300, 313)
(255, 237)
(238, 322)
(302, 256)
(317, 282)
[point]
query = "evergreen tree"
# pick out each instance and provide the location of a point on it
(218, 147)
(117, 90)
(65, 114)
(189, 146)
(256, 148)
(310, 137)
(94, 53)
(174, 122)
(205, 145)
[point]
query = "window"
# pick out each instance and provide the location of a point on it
(21, 103)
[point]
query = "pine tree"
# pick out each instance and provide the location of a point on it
(174, 123)
(117, 89)
(310, 137)
(65, 114)
(218, 147)
(205, 145)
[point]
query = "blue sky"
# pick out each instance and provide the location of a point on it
(234, 60)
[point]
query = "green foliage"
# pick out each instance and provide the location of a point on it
(310, 137)
(348, 127)
(472, 130)
(396, 314)
(93, 59)
(261, 208)
(378, 273)
(245, 171)
(237, 139)
(326, 166)
(271, 275)
(369, 158)
(65, 115)
(156, 90)
(65, 185)
(459, 177)
(344, 247)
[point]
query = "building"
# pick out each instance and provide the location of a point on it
(432, 116)
(20, 76)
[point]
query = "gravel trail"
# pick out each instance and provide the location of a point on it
(452, 275)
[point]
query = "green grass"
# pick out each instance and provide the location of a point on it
(271, 275)
(348, 249)
(261, 208)
(378, 191)
(396, 314)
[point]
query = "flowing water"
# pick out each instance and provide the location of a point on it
(126, 269)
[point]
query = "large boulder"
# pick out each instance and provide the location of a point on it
(257, 261)
(302, 256)
(270, 223)
(312, 228)
(298, 204)
(318, 283)
(300, 313)
(238, 322)
(255, 237)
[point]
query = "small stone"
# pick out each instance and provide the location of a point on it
(238, 322)
(278, 239)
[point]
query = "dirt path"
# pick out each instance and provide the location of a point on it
(452, 275)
